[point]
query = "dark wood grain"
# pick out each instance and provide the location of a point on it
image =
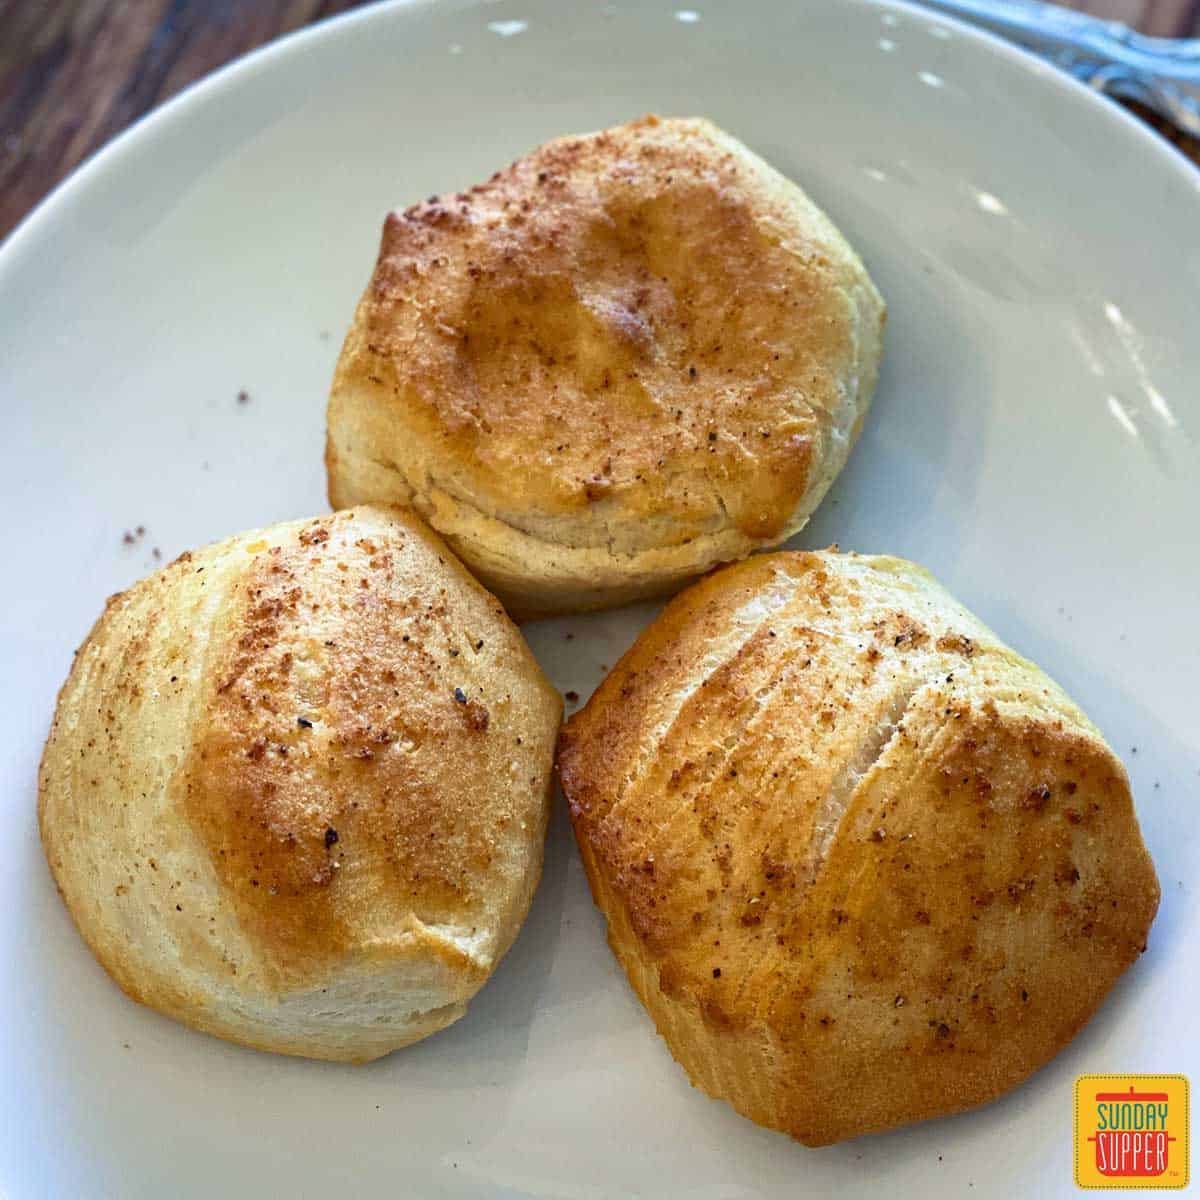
(1188, 146)
(74, 73)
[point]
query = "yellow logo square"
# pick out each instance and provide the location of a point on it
(1131, 1131)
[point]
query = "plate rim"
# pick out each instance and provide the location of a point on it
(42, 223)
(199, 90)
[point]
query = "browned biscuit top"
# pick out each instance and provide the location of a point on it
(842, 821)
(297, 783)
(629, 339)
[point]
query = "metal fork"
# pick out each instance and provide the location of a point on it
(1162, 73)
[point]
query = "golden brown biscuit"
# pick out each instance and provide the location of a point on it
(862, 863)
(296, 789)
(627, 357)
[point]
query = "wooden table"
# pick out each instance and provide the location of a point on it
(74, 73)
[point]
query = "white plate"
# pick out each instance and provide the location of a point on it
(1033, 442)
